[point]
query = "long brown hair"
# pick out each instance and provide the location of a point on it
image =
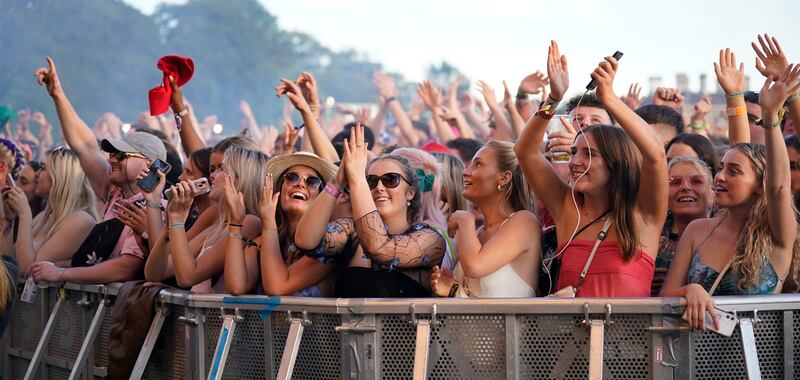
(518, 194)
(624, 163)
(755, 242)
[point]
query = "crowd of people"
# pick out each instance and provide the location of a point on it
(451, 196)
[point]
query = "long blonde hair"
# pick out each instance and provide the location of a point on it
(452, 181)
(247, 168)
(518, 193)
(6, 282)
(70, 193)
(755, 242)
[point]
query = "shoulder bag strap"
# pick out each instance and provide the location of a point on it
(719, 277)
(600, 237)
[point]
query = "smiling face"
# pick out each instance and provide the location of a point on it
(390, 202)
(297, 195)
(124, 172)
(585, 116)
(690, 190)
(737, 181)
(598, 175)
(483, 175)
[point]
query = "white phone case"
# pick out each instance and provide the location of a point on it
(727, 322)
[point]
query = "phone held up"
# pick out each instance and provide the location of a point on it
(149, 182)
(201, 184)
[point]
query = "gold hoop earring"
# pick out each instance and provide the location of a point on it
(499, 188)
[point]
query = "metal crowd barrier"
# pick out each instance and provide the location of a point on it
(197, 336)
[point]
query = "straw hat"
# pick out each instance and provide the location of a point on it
(278, 165)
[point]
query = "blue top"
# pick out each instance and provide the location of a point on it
(700, 273)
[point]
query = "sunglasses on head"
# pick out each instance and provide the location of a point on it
(389, 180)
(695, 180)
(293, 178)
(119, 155)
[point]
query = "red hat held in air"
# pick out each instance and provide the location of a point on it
(181, 70)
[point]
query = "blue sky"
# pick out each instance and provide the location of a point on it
(507, 39)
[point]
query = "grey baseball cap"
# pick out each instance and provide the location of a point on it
(143, 143)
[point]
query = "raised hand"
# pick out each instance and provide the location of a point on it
(533, 83)
(488, 95)
(181, 202)
(456, 219)
(634, 97)
(670, 97)
(557, 72)
(245, 107)
(234, 200)
(293, 93)
(176, 99)
(773, 95)
(604, 76)
(729, 77)
(155, 195)
(289, 137)
(308, 86)
(385, 85)
(771, 62)
(700, 110)
(452, 91)
(430, 95)
(363, 115)
(39, 118)
(49, 77)
(18, 202)
(268, 203)
(356, 154)
(508, 102)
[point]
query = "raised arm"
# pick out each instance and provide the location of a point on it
(517, 123)
(542, 178)
(731, 80)
(503, 128)
(241, 260)
(314, 223)
(387, 90)
(651, 199)
(432, 97)
(777, 176)
(77, 134)
(190, 139)
(253, 130)
(319, 140)
(451, 102)
(772, 63)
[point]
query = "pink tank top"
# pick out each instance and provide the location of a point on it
(609, 275)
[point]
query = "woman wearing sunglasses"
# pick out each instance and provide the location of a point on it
(750, 247)
(690, 198)
(197, 262)
(492, 260)
(298, 179)
(396, 250)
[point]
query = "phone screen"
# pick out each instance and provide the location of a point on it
(149, 182)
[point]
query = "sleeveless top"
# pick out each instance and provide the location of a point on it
(609, 275)
(209, 285)
(701, 273)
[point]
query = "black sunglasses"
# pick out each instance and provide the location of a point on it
(389, 180)
(119, 155)
(310, 181)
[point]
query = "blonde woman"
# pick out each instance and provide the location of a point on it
(198, 263)
(55, 234)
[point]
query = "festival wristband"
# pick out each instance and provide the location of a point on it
(547, 110)
(700, 127)
(152, 204)
(177, 225)
(331, 189)
(734, 94)
(736, 111)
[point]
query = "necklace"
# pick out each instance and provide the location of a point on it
(602, 216)
(488, 226)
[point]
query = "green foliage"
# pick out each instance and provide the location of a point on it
(106, 52)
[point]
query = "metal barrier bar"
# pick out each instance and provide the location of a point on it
(149, 342)
(292, 346)
(749, 348)
(88, 342)
(223, 347)
(597, 331)
(46, 334)
(422, 349)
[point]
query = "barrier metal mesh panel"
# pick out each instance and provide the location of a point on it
(468, 346)
(718, 357)
(101, 342)
(557, 347)
(320, 353)
(247, 355)
(19, 366)
(68, 331)
(168, 359)
(26, 324)
(796, 342)
(397, 338)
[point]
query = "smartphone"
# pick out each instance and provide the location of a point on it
(727, 322)
(10, 180)
(201, 184)
(149, 182)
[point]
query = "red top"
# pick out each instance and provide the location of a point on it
(609, 275)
